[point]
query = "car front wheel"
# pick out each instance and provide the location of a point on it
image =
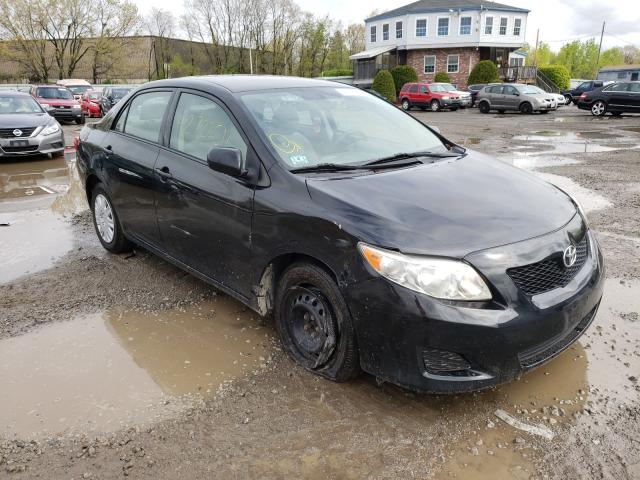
(435, 105)
(526, 108)
(314, 323)
(106, 222)
(599, 108)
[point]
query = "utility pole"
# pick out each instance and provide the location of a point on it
(535, 57)
(599, 50)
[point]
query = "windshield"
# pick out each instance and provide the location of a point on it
(55, 92)
(79, 89)
(11, 104)
(438, 88)
(118, 93)
(337, 125)
(448, 87)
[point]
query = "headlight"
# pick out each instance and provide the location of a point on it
(445, 98)
(75, 107)
(46, 106)
(53, 128)
(440, 278)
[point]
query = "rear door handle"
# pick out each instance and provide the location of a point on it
(164, 173)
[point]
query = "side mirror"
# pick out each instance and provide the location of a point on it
(517, 94)
(226, 160)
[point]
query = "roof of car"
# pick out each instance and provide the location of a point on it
(245, 83)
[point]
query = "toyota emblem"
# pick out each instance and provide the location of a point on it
(569, 256)
(17, 132)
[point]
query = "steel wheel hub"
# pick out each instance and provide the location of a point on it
(104, 218)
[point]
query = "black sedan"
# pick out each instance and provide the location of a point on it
(25, 128)
(374, 242)
(616, 99)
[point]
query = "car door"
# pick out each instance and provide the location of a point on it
(424, 95)
(204, 215)
(634, 97)
(496, 97)
(617, 96)
(413, 93)
(131, 148)
(510, 97)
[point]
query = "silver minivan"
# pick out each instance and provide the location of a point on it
(515, 97)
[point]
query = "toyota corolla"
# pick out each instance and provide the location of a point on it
(374, 242)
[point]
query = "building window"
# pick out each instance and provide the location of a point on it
(373, 33)
(503, 25)
(516, 62)
(465, 25)
(421, 28)
(453, 62)
(517, 26)
(488, 26)
(398, 29)
(429, 64)
(385, 31)
(443, 27)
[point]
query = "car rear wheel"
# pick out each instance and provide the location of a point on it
(599, 108)
(484, 107)
(406, 105)
(106, 222)
(314, 323)
(434, 105)
(526, 108)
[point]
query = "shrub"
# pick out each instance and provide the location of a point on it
(442, 77)
(484, 72)
(403, 74)
(558, 74)
(383, 84)
(337, 72)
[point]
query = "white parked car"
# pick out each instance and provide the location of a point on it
(560, 99)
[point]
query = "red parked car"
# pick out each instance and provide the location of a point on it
(90, 102)
(428, 95)
(58, 102)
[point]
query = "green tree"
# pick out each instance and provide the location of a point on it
(442, 77)
(558, 74)
(485, 71)
(612, 56)
(580, 58)
(403, 74)
(540, 56)
(383, 84)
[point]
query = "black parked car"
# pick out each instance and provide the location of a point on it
(474, 89)
(616, 99)
(573, 94)
(111, 96)
(375, 242)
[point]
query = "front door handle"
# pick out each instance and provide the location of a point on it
(164, 173)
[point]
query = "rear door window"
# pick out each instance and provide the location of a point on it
(413, 89)
(144, 118)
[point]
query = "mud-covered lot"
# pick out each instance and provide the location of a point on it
(115, 366)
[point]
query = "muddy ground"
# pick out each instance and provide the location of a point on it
(115, 366)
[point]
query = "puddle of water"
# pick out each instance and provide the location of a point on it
(533, 162)
(103, 372)
(34, 196)
(589, 199)
(570, 142)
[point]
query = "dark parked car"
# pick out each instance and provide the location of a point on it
(473, 90)
(59, 102)
(112, 95)
(25, 128)
(616, 98)
(574, 94)
(374, 242)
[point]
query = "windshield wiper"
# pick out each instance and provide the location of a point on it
(402, 156)
(325, 167)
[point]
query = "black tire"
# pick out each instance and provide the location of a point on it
(314, 323)
(526, 108)
(406, 104)
(118, 243)
(434, 106)
(80, 121)
(484, 107)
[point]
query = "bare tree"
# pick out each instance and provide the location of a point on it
(162, 25)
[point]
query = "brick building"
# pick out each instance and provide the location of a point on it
(434, 36)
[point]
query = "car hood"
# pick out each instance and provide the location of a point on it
(449, 208)
(461, 93)
(19, 120)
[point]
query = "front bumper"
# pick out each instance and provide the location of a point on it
(466, 101)
(69, 114)
(35, 144)
(405, 337)
(450, 103)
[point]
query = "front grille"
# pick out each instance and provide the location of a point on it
(28, 148)
(8, 132)
(549, 349)
(548, 274)
(441, 361)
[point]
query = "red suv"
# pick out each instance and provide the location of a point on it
(428, 95)
(58, 101)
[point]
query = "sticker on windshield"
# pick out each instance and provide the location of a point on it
(284, 144)
(298, 160)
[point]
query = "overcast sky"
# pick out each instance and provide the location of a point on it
(559, 21)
